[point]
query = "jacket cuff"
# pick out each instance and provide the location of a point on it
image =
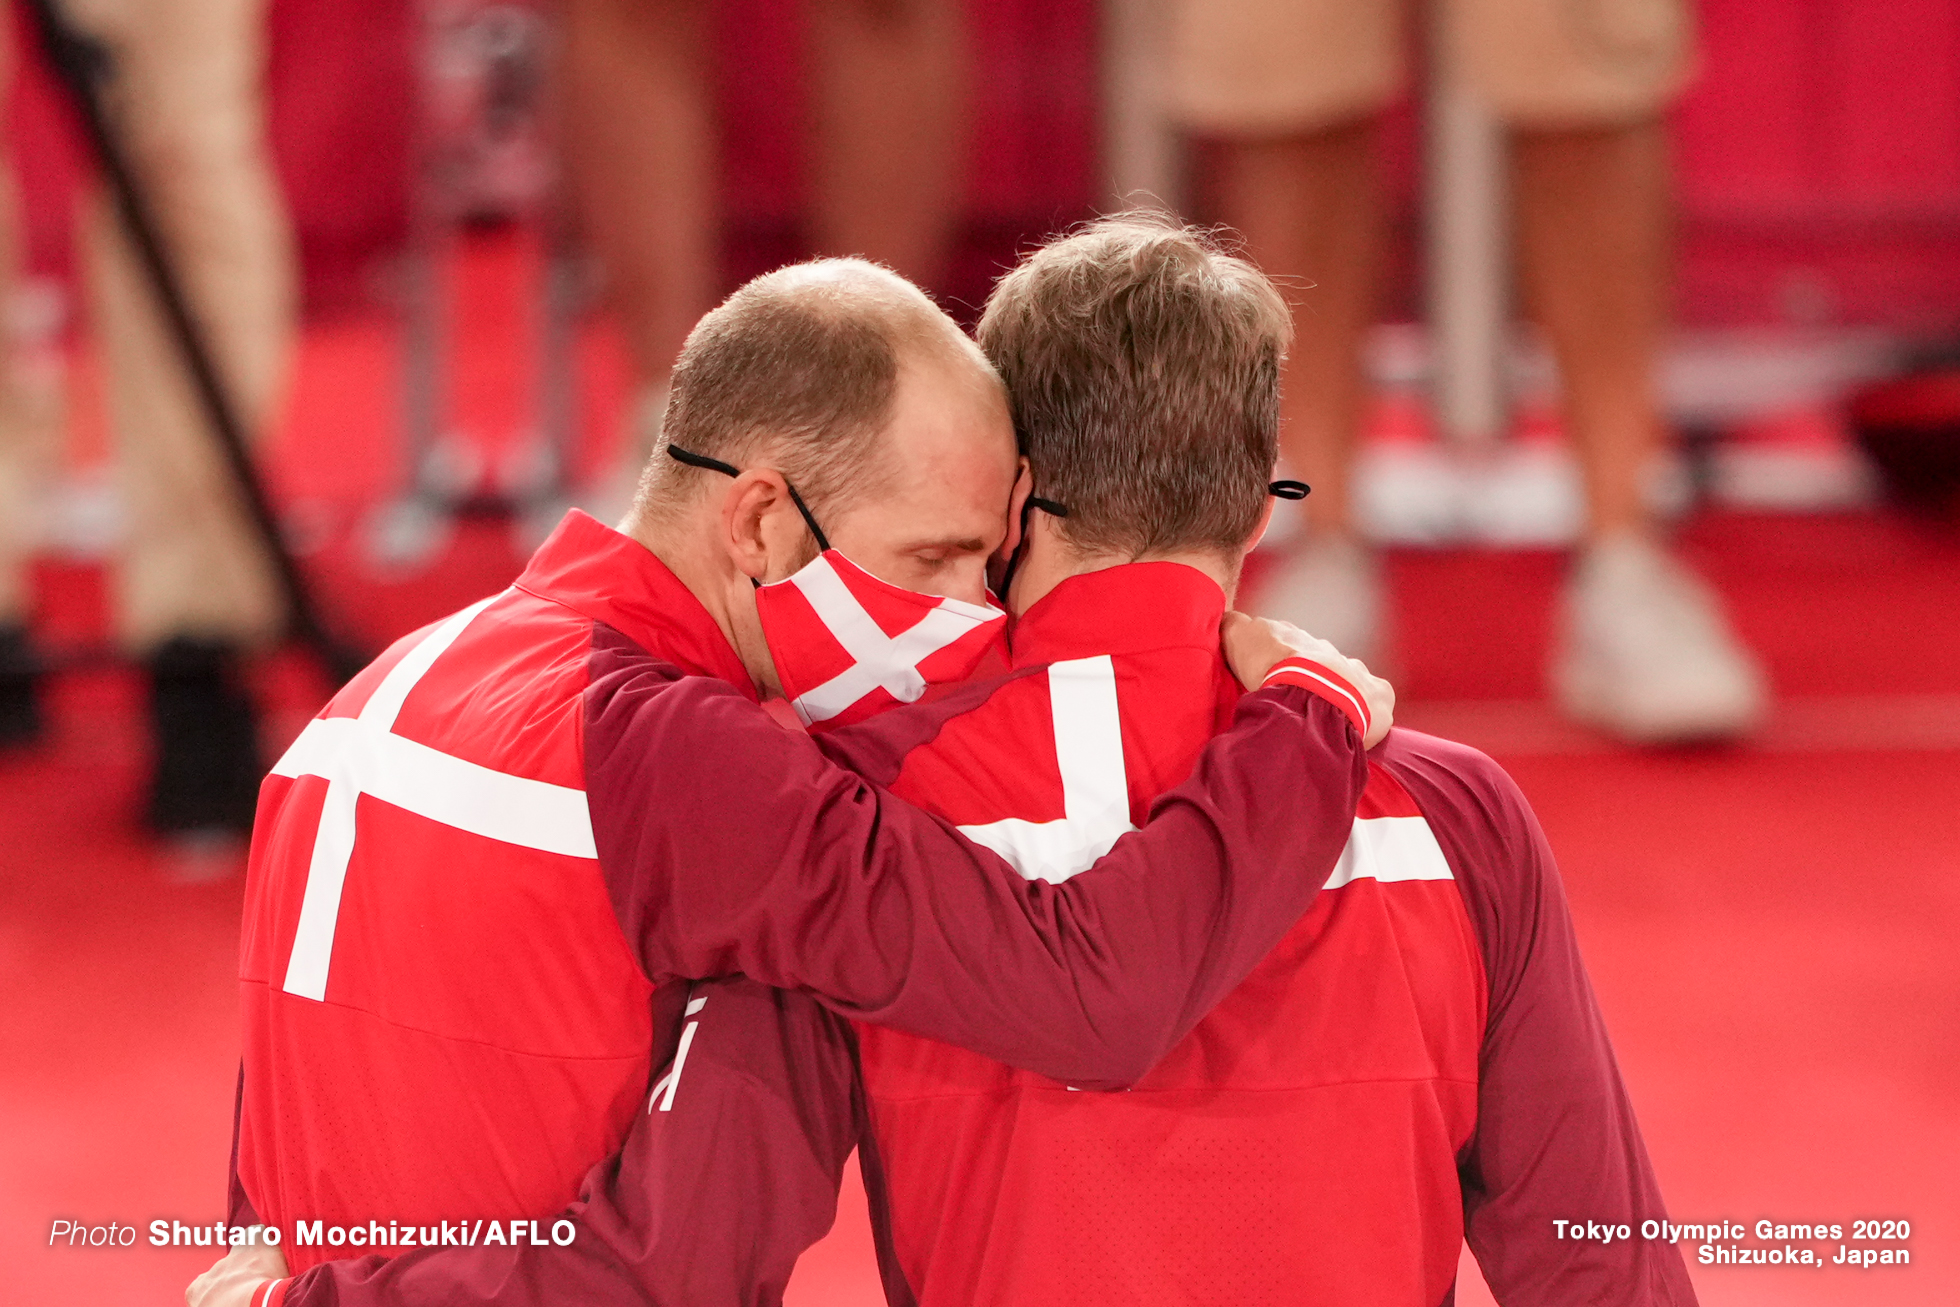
(270, 1294)
(1317, 679)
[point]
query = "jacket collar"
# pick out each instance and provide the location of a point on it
(1129, 609)
(609, 577)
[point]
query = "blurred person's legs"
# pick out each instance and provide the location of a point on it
(195, 589)
(1291, 93)
(1310, 209)
(891, 79)
(1595, 272)
(639, 144)
(1644, 649)
(1290, 90)
(21, 468)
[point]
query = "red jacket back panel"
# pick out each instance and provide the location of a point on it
(1300, 1145)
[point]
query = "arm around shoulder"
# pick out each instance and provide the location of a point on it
(731, 845)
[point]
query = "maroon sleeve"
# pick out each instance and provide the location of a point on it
(716, 1192)
(1556, 1137)
(238, 1205)
(730, 845)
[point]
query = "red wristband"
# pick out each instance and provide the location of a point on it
(270, 1294)
(1330, 685)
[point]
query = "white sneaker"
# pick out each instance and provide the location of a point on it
(1647, 653)
(1329, 586)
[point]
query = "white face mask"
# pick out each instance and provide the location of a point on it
(847, 644)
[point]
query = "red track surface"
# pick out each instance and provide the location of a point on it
(1770, 930)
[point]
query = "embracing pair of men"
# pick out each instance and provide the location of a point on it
(636, 897)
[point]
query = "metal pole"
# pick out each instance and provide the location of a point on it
(1142, 155)
(1468, 264)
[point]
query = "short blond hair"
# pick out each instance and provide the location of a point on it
(1142, 365)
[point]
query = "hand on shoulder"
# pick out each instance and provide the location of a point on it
(1256, 648)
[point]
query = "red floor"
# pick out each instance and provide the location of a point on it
(1771, 930)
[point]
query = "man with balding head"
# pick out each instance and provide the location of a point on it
(474, 872)
(916, 459)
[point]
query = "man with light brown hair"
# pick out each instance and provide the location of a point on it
(1420, 1059)
(1205, 332)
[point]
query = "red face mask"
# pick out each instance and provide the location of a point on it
(847, 644)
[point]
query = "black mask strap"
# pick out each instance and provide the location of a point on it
(1028, 506)
(1281, 489)
(693, 459)
(809, 519)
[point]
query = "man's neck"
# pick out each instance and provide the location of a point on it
(1050, 560)
(687, 547)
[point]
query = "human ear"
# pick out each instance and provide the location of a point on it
(1017, 502)
(752, 523)
(1259, 532)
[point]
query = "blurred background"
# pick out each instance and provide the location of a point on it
(1620, 391)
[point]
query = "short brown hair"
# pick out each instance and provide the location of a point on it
(798, 367)
(1142, 364)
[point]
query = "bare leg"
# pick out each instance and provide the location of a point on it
(1593, 227)
(195, 586)
(191, 108)
(1646, 651)
(19, 465)
(891, 113)
(1310, 209)
(639, 143)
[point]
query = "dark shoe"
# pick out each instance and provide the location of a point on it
(207, 740)
(20, 688)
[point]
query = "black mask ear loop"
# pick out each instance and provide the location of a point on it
(693, 459)
(1281, 489)
(1028, 506)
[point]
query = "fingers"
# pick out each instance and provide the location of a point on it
(1254, 645)
(234, 1278)
(1381, 704)
(196, 1293)
(1241, 645)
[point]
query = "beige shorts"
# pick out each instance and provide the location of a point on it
(1242, 67)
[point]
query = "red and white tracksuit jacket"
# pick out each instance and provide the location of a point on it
(1421, 1046)
(472, 872)
(1419, 1059)
(1329, 1095)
